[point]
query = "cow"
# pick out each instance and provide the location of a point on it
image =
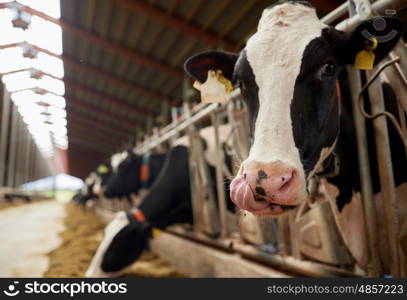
(93, 183)
(131, 172)
(288, 74)
(167, 202)
(293, 79)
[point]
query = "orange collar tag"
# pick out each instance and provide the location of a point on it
(339, 96)
(138, 215)
(144, 173)
(338, 91)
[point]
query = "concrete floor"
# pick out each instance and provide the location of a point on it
(27, 234)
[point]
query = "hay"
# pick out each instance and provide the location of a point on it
(82, 235)
(83, 232)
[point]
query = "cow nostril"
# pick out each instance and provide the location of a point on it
(287, 182)
(259, 190)
(244, 175)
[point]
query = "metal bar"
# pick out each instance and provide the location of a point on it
(219, 179)
(397, 85)
(374, 268)
(288, 263)
(21, 145)
(335, 14)
(291, 264)
(28, 161)
(12, 147)
(200, 112)
(386, 175)
(378, 6)
(4, 134)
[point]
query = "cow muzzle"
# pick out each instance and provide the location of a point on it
(267, 188)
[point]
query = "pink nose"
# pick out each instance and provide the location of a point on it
(265, 188)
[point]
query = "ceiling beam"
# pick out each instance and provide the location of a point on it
(133, 55)
(112, 124)
(91, 13)
(115, 80)
(92, 139)
(77, 119)
(111, 100)
(94, 134)
(83, 108)
(188, 28)
(119, 103)
(111, 77)
(94, 146)
(237, 18)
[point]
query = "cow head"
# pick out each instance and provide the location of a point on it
(103, 173)
(287, 74)
(126, 174)
(123, 242)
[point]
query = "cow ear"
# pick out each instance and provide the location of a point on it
(197, 66)
(387, 31)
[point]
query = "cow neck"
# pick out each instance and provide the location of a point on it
(320, 170)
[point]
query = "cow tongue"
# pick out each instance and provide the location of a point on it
(242, 195)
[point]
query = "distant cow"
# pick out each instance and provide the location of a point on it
(92, 186)
(131, 172)
(168, 202)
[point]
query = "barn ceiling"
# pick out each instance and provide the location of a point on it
(123, 63)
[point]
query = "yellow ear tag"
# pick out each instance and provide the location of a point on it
(155, 232)
(215, 88)
(102, 169)
(365, 58)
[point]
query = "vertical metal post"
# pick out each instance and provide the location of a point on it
(374, 268)
(21, 144)
(31, 161)
(4, 134)
(219, 179)
(363, 8)
(12, 147)
(27, 157)
(387, 185)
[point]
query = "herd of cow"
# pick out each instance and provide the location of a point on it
(293, 79)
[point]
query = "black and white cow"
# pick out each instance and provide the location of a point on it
(291, 73)
(168, 202)
(91, 188)
(131, 172)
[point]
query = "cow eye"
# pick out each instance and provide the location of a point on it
(328, 70)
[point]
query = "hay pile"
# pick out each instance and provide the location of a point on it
(82, 235)
(83, 232)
